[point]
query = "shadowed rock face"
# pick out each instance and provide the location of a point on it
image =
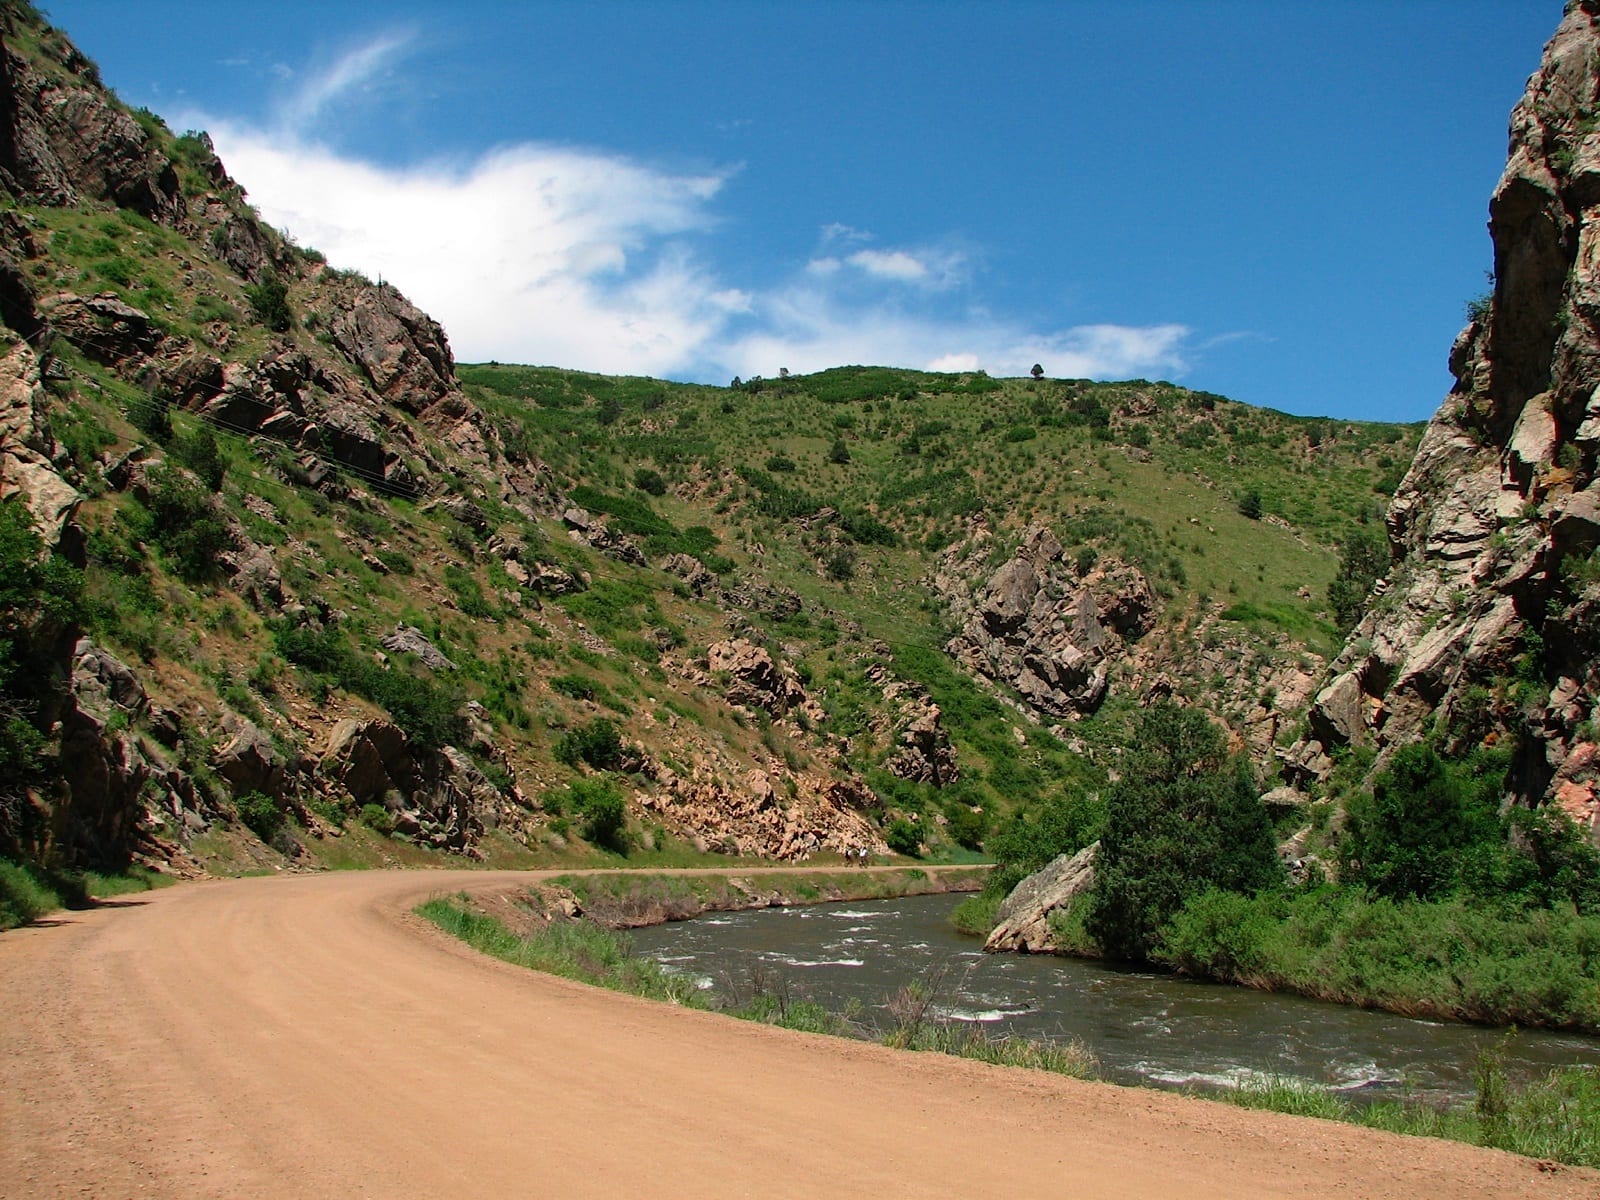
(1501, 505)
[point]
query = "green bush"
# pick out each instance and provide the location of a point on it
(904, 837)
(1411, 836)
(1060, 824)
(1363, 557)
(269, 300)
(183, 521)
(263, 815)
(1182, 818)
(647, 480)
(198, 450)
(377, 818)
(604, 813)
(1452, 959)
(599, 743)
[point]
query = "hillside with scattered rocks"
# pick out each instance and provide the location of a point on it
(295, 589)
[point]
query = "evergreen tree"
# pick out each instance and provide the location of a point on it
(1184, 817)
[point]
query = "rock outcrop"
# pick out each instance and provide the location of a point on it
(1023, 919)
(788, 817)
(753, 680)
(1039, 626)
(1488, 623)
(63, 140)
(921, 749)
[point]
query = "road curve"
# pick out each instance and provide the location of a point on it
(307, 1036)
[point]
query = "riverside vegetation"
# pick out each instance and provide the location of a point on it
(1556, 1117)
(1447, 904)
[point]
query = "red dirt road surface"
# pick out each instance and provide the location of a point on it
(308, 1036)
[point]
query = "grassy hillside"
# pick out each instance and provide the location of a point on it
(277, 467)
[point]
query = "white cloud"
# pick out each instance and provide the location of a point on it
(807, 328)
(547, 254)
(346, 73)
(890, 264)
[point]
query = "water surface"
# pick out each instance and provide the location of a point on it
(1144, 1027)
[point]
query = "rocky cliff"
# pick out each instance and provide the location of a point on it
(1487, 625)
(138, 287)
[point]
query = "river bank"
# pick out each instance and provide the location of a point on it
(635, 900)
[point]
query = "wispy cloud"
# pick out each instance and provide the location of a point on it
(550, 254)
(348, 72)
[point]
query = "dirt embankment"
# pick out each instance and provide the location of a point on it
(308, 1036)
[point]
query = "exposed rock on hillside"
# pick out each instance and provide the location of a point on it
(921, 745)
(1489, 620)
(785, 816)
(26, 448)
(61, 140)
(754, 681)
(1039, 626)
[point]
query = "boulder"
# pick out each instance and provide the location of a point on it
(408, 639)
(249, 761)
(1023, 920)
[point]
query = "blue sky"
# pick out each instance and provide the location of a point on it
(1281, 202)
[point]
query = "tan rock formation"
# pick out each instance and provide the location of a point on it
(1493, 527)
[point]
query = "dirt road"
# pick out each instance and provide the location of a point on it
(308, 1037)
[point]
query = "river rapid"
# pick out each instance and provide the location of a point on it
(1145, 1028)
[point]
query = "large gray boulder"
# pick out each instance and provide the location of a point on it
(1023, 921)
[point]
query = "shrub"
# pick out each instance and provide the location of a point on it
(647, 480)
(1062, 824)
(269, 300)
(377, 818)
(1408, 837)
(184, 522)
(603, 811)
(198, 450)
(598, 743)
(1182, 818)
(904, 837)
(839, 453)
(427, 709)
(263, 815)
(1363, 557)
(841, 564)
(1250, 504)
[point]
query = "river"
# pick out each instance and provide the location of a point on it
(1145, 1028)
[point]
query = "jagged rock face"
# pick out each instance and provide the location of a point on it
(1501, 499)
(62, 140)
(401, 349)
(26, 447)
(921, 744)
(1036, 626)
(440, 798)
(753, 680)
